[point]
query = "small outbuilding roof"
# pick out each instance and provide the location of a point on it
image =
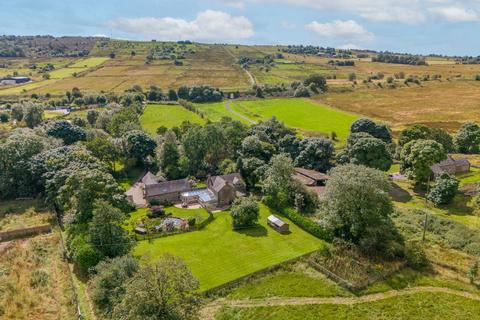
(312, 174)
(276, 221)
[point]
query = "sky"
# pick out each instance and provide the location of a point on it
(448, 27)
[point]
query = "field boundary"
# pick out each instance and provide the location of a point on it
(24, 232)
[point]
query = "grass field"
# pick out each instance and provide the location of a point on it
(157, 115)
(217, 254)
(309, 117)
(414, 306)
(301, 281)
(436, 104)
(22, 214)
(34, 281)
(216, 111)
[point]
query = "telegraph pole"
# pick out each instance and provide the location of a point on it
(426, 210)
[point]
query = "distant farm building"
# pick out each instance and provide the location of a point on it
(14, 80)
(451, 166)
(278, 224)
(313, 180)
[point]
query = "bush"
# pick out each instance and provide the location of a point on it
(39, 278)
(156, 212)
(444, 191)
(192, 221)
(245, 212)
(84, 254)
(4, 117)
(415, 256)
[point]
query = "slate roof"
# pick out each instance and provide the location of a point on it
(150, 178)
(167, 187)
(219, 182)
(449, 162)
(312, 174)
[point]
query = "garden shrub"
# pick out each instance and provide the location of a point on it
(415, 256)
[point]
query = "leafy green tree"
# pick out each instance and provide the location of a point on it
(444, 190)
(4, 117)
(357, 207)
(16, 153)
(106, 231)
(370, 152)
(467, 139)
(379, 131)
(172, 95)
(92, 116)
(17, 111)
(290, 145)
(442, 137)
(315, 153)
(104, 149)
(139, 144)
(169, 156)
(82, 187)
(32, 114)
(317, 79)
(108, 284)
(84, 254)
(123, 121)
(164, 290)
(418, 156)
(66, 131)
(245, 212)
(414, 132)
(251, 169)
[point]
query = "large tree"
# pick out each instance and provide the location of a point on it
(414, 132)
(108, 284)
(467, 139)
(245, 212)
(444, 190)
(104, 149)
(418, 156)
(139, 144)
(66, 131)
(379, 131)
(163, 290)
(32, 114)
(315, 153)
(169, 156)
(357, 207)
(106, 231)
(370, 152)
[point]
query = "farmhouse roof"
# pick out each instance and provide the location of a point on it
(450, 161)
(167, 187)
(312, 174)
(217, 183)
(150, 178)
(276, 221)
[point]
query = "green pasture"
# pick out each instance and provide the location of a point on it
(309, 117)
(157, 115)
(216, 111)
(413, 306)
(217, 254)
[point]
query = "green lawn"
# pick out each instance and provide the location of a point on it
(415, 306)
(157, 115)
(217, 254)
(216, 111)
(306, 115)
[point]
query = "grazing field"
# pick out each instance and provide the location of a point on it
(217, 254)
(440, 104)
(157, 115)
(216, 111)
(421, 305)
(309, 117)
(34, 281)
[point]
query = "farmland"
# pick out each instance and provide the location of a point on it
(168, 116)
(208, 252)
(309, 117)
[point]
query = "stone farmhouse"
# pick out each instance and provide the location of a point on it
(451, 166)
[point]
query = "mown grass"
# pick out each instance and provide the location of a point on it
(414, 306)
(307, 116)
(34, 281)
(217, 254)
(156, 115)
